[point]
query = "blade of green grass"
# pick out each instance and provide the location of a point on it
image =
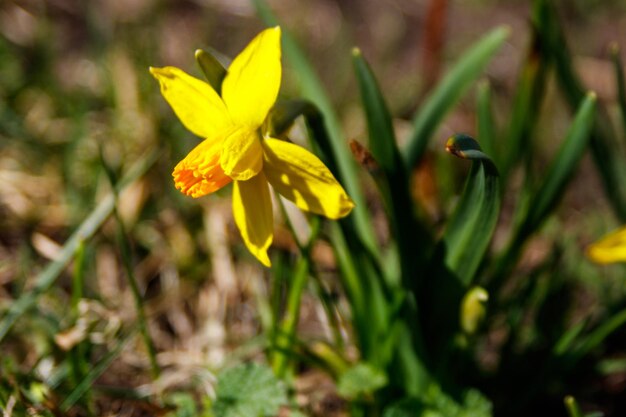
(313, 90)
(621, 83)
(526, 107)
(598, 335)
(550, 191)
(95, 372)
(85, 231)
(486, 124)
(610, 164)
(561, 168)
(412, 240)
(449, 91)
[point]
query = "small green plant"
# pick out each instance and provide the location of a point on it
(423, 315)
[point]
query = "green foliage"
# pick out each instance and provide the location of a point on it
(393, 305)
(360, 380)
(436, 404)
(248, 390)
(449, 90)
(423, 314)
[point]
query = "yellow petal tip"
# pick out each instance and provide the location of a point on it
(264, 259)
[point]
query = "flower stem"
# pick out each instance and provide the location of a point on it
(284, 335)
(134, 286)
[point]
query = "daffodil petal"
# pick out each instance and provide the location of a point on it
(611, 248)
(252, 210)
(301, 177)
(196, 104)
(200, 172)
(242, 155)
(253, 80)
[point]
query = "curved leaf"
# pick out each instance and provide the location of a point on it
(469, 231)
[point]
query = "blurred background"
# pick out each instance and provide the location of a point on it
(78, 105)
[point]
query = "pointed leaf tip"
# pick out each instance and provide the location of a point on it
(356, 51)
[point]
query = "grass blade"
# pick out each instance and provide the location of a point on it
(486, 124)
(83, 386)
(448, 92)
(610, 164)
(621, 83)
(526, 106)
(86, 230)
(394, 183)
(561, 169)
(551, 190)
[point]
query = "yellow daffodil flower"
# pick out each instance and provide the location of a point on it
(611, 248)
(236, 149)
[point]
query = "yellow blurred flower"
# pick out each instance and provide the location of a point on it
(611, 248)
(236, 149)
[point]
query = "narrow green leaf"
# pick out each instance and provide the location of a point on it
(382, 140)
(213, 70)
(561, 169)
(248, 390)
(95, 372)
(85, 231)
(610, 164)
(393, 180)
(449, 91)
(621, 83)
(313, 90)
(486, 124)
(469, 231)
(526, 107)
(572, 407)
(563, 345)
(604, 330)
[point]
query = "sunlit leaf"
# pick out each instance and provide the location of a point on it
(248, 390)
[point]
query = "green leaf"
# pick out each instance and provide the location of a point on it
(598, 335)
(621, 83)
(610, 164)
(486, 124)
(392, 177)
(213, 70)
(184, 403)
(362, 379)
(560, 170)
(449, 91)
(283, 115)
(83, 387)
(572, 407)
(408, 407)
(248, 390)
(469, 231)
(526, 107)
(436, 403)
(382, 140)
